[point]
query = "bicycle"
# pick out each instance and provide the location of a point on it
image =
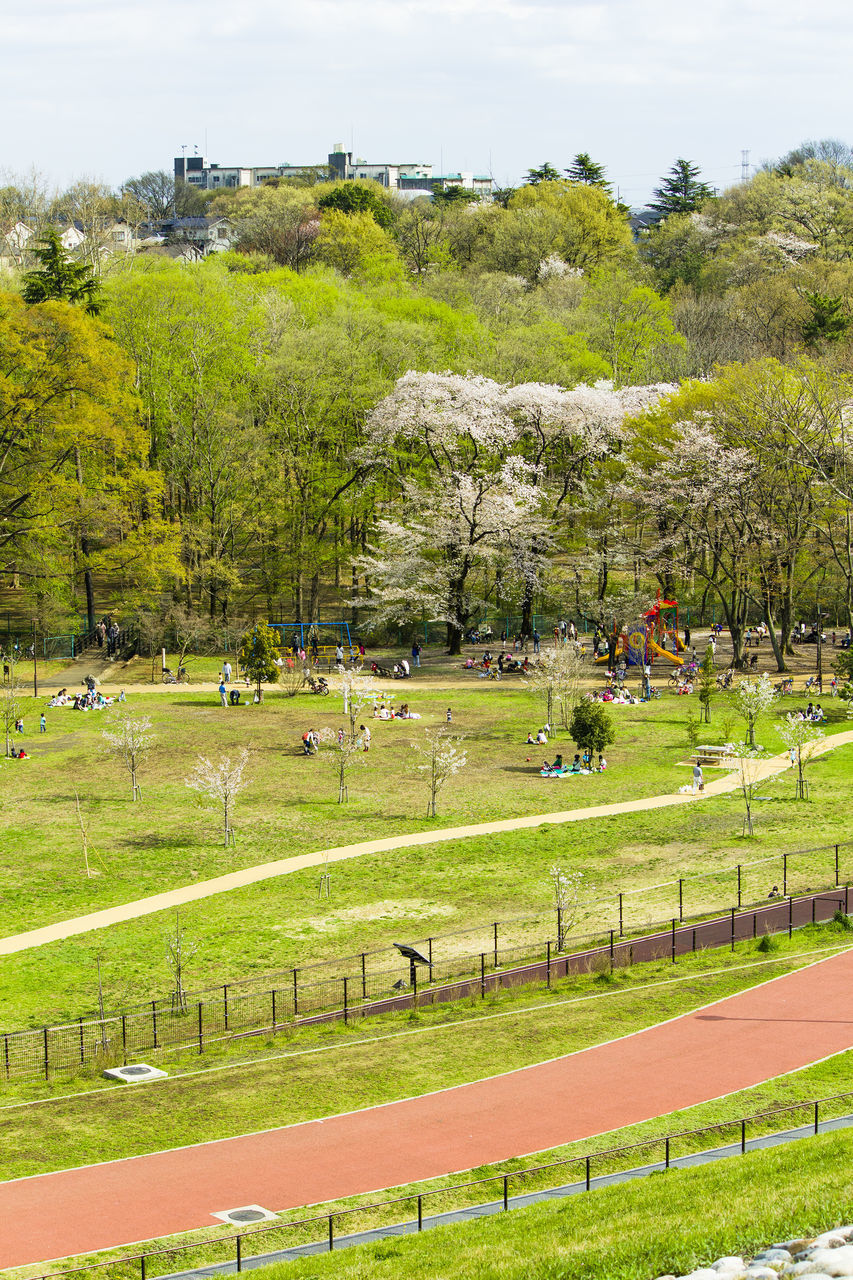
(170, 678)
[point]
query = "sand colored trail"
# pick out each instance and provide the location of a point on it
(285, 866)
(777, 1027)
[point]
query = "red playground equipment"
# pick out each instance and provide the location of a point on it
(658, 638)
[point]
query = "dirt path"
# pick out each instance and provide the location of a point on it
(777, 1027)
(285, 866)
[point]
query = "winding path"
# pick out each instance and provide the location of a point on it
(285, 866)
(780, 1026)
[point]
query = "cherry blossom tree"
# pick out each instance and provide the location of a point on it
(555, 677)
(220, 781)
(443, 759)
(801, 737)
(748, 761)
(343, 751)
(130, 741)
(750, 699)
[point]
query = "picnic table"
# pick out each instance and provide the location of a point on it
(710, 755)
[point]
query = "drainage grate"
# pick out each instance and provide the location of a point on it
(135, 1073)
(246, 1213)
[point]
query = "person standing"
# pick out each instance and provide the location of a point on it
(222, 699)
(42, 724)
(698, 780)
(687, 636)
(416, 653)
(339, 654)
(226, 671)
(365, 737)
(537, 639)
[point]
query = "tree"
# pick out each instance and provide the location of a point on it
(555, 677)
(751, 698)
(454, 195)
(584, 169)
(10, 705)
(749, 762)
(545, 173)
(567, 889)
(801, 737)
(258, 656)
(344, 750)
(360, 693)
(155, 191)
(281, 222)
(220, 781)
(828, 321)
(708, 688)
(591, 727)
(60, 279)
(356, 197)
(356, 245)
(130, 742)
(680, 191)
(179, 950)
(443, 760)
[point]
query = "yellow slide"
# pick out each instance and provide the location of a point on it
(605, 657)
(664, 653)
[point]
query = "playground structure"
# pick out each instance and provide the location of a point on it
(299, 635)
(656, 636)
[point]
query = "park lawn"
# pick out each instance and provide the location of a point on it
(334, 1068)
(447, 888)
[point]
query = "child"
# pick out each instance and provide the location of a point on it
(42, 724)
(449, 716)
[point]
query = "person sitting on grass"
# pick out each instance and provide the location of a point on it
(602, 763)
(531, 741)
(575, 766)
(542, 738)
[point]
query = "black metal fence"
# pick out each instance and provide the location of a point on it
(229, 1011)
(320, 1231)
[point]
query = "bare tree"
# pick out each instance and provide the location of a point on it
(801, 738)
(443, 759)
(86, 845)
(292, 678)
(359, 693)
(179, 950)
(748, 761)
(221, 781)
(344, 751)
(130, 741)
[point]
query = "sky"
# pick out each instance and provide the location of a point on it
(106, 89)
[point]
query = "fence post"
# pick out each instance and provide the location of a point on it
(6, 1053)
(420, 1213)
(755, 924)
(295, 1002)
(82, 1046)
(739, 894)
(154, 1021)
(496, 944)
(694, 940)
(225, 1003)
(559, 928)
(733, 927)
(46, 1062)
(547, 965)
(415, 987)
(666, 1150)
(124, 1037)
(331, 1235)
(142, 1266)
(587, 1173)
(239, 1253)
(272, 994)
(784, 875)
(681, 899)
(621, 929)
(836, 866)
(346, 1002)
(363, 976)
(816, 1119)
(790, 916)
(429, 956)
(611, 950)
(200, 1043)
(482, 975)
(743, 1137)
(506, 1191)
(673, 941)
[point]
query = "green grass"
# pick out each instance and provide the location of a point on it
(261, 1083)
(170, 840)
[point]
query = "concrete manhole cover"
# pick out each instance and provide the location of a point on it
(246, 1213)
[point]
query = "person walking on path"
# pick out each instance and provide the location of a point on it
(416, 653)
(698, 780)
(223, 700)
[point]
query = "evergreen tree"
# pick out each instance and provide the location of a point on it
(351, 197)
(680, 191)
(59, 278)
(545, 173)
(584, 169)
(258, 655)
(827, 322)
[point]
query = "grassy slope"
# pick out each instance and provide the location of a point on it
(366, 1064)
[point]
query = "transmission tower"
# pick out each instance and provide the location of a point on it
(744, 165)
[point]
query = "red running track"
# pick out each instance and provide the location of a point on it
(780, 1026)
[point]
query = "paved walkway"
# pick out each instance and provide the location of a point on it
(780, 1026)
(285, 866)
